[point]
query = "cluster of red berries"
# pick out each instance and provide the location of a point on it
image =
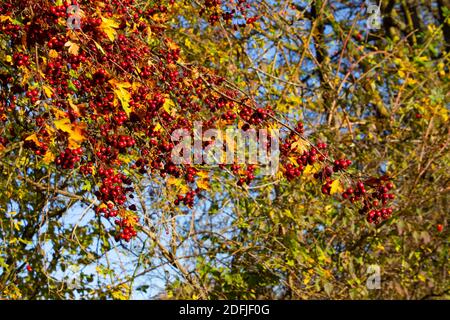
(254, 117)
(126, 229)
(376, 216)
(108, 211)
(86, 169)
(341, 164)
(59, 11)
(248, 175)
(355, 194)
(69, 158)
(229, 115)
(107, 154)
(190, 174)
(188, 199)
(374, 210)
(33, 95)
(112, 188)
(292, 172)
(56, 42)
(120, 118)
(39, 150)
(121, 142)
(100, 77)
(21, 59)
(215, 11)
(193, 97)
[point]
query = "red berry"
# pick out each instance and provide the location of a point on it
(440, 227)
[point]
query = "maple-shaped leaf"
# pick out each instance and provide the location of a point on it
(336, 187)
(169, 106)
(108, 26)
(53, 54)
(73, 47)
(76, 132)
(203, 184)
(179, 183)
(49, 157)
(121, 92)
(300, 146)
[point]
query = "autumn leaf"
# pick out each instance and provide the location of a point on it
(336, 187)
(49, 157)
(76, 135)
(299, 146)
(99, 47)
(157, 128)
(310, 170)
(33, 138)
(203, 184)
(48, 91)
(203, 174)
(178, 183)
(122, 94)
(53, 54)
(5, 18)
(73, 47)
(59, 114)
(108, 26)
(169, 106)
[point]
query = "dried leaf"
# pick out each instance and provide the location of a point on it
(73, 47)
(108, 26)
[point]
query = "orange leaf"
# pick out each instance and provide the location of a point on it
(76, 132)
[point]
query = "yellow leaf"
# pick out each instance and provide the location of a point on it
(76, 136)
(293, 160)
(149, 34)
(203, 184)
(336, 187)
(34, 138)
(49, 157)
(179, 183)
(300, 145)
(48, 91)
(53, 54)
(59, 114)
(172, 45)
(99, 47)
(158, 127)
(108, 26)
(4, 18)
(306, 279)
(25, 75)
(122, 94)
(169, 106)
(310, 170)
(73, 47)
(203, 174)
